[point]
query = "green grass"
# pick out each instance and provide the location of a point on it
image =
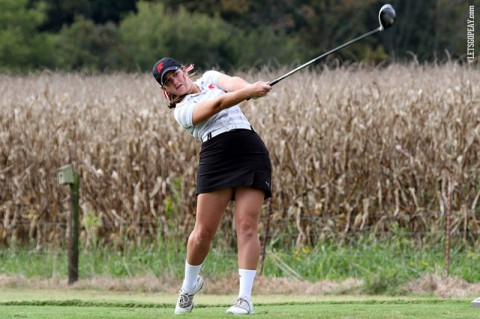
(72, 303)
(383, 264)
(371, 309)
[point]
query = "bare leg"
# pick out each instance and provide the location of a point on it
(248, 205)
(210, 208)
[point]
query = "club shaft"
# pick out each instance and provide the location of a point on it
(324, 55)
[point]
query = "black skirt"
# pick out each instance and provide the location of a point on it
(233, 159)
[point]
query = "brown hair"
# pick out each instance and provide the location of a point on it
(174, 99)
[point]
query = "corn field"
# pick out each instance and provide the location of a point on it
(354, 150)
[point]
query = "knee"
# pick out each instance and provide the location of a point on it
(247, 228)
(202, 235)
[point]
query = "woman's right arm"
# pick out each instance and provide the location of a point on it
(204, 110)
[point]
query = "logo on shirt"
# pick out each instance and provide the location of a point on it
(211, 86)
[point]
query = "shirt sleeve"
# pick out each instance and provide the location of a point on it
(183, 113)
(211, 77)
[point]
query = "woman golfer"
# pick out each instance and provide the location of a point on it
(234, 165)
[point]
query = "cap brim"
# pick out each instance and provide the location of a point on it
(164, 72)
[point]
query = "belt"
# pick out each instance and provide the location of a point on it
(211, 135)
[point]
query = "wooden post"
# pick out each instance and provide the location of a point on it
(448, 226)
(73, 235)
(67, 176)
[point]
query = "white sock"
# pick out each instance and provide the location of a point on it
(246, 283)
(191, 275)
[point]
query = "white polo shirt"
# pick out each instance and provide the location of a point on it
(224, 121)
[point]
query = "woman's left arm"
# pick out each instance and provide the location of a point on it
(231, 83)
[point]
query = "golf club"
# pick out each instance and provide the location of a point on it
(386, 18)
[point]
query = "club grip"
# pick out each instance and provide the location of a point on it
(272, 83)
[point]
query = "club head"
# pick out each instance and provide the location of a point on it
(386, 17)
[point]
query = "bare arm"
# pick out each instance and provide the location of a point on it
(231, 83)
(237, 89)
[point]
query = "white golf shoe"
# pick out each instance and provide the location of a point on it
(185, 300)
(241, 307)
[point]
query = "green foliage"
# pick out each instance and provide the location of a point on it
(384, 266)
(154, 32)
(87, 46)
(256, 48)
(15, 15)
(91, 222)
(129, 35)
(173, 208)
(191, 37)
(63, 13)
(22, 48)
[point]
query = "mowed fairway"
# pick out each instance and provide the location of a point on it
(18, 303)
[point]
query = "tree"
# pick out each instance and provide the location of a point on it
(208, 41)
(318, 25)
(91, 47)
(426, 29)
(154, 32)
(22, 48)
(63, 12)
(429, 29)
